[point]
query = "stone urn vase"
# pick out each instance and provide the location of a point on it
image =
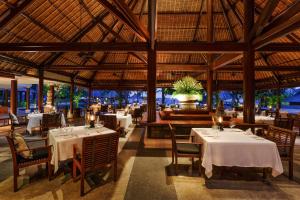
(187, 102)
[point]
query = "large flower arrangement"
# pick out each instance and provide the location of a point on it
(187, 87)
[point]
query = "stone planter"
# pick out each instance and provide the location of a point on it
(187, 102)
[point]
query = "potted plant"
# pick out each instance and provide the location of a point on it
(188, 91)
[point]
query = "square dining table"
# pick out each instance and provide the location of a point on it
(62, 141)
(235, 147)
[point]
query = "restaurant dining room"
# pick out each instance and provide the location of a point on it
(149, 99)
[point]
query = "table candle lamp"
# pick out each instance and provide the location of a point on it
(220, 123)
(92, 121)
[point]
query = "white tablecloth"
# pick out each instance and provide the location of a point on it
(34, 121)
(62, 141)
(261, 119)
(232, 147)
(125, 121)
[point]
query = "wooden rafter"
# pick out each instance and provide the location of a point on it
(54, 56)
(13, 12)
(263, 18)
(135, 26)
(232, 34)
(280, 26)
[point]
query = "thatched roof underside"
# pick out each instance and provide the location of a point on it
(80, 21)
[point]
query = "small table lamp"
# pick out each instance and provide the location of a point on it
(92, 121)
(220, 123)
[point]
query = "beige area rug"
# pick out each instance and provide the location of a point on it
(40, 188)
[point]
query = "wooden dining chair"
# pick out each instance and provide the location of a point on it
(18, 122)
(184, 149)
(285, 142)
(98, 152)
(286, 123)
(49, 121)
(111, 122)
(39, 155)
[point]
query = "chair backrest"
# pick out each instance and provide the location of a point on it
(98, 151)
(110, 121)
(104, 108)
(286, 123)
(51, 120)
(284, 139)
(173, 137)
(12, 148)
(138, 112)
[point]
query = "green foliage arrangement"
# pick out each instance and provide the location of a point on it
(187, 86)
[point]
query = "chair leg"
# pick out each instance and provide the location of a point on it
(16, 174)
(199, 166)
(82, 185)
(291, 168)
(192, 163)
(172, 157)
(48, 168)
(176, 166)
(115, 170)
(74, 171)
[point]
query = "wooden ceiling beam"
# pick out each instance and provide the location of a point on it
(165, 67)
(68, 47)
(232, 34)
(41, 26)
(13, 12)
(280, 47)
(54, 56)
(18, 61)
(192, 47)
(263, 18)
(282, 25)
(124, 8)
(226, 59)
(231, 48)
(120, 15)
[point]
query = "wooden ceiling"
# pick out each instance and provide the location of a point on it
(104, 44)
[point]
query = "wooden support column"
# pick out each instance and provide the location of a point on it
(151, 75)
(40, 90)
(13, 96)
(278, 99)
(163, 98)
(209, 89)
(90, 96)
(248, 65)
(28, 98)
(6, 93)
(52, 94)
(71, 96)
(210, 38)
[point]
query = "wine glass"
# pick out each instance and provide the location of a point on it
(232, 124)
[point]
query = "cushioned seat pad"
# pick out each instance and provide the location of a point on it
(36, 155)
(187, 148)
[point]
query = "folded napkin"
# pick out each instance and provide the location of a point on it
(249, 132)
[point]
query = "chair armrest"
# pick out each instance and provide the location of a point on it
(189, 143)
(283, 145)
(36, 149)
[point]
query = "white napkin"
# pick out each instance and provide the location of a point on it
(249, 132)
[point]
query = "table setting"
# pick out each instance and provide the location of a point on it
(63, 139)
(235, 147)
(34, 120)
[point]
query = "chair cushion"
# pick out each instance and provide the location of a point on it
(36, 155)
(187, 148)
(21, 146)
(14, 118)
